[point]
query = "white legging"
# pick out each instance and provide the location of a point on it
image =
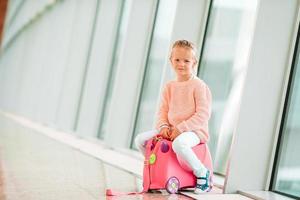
(182, 146)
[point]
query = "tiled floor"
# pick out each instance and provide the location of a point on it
(35, 167)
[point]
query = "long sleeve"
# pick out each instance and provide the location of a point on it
(199, 120)
(163, 109)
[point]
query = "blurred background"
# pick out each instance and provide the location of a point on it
(94, 69)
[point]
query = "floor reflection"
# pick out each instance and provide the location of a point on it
(37, 167)
(151, 197)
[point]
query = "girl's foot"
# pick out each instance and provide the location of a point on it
(203, 184)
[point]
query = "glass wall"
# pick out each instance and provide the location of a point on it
(157, 59)
(287, 173)
(124, 17)
(223, 67)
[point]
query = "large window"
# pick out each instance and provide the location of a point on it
(223, 67)
(287, 173)
(124, 17)
(157, 59)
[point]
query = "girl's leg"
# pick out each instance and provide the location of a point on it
(182, 146)
(141, 138)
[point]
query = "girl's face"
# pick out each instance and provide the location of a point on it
(183, 61)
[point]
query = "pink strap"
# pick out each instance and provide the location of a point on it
(146, 178)
(146, 183)
(109, 192)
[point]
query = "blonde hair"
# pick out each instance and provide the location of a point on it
(185, 44)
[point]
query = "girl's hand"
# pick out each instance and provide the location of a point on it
(165, 133)
(174, 134)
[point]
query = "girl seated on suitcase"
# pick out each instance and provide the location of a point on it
(184, 112)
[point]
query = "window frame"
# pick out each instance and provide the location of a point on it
(284, 115)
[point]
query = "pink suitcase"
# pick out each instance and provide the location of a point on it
(162, 169)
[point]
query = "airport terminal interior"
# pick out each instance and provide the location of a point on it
(80, 79)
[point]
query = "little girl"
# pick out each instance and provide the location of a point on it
(184, 112)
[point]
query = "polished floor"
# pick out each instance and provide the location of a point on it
(36, 167)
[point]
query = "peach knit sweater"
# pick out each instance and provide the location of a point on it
(186, 106)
